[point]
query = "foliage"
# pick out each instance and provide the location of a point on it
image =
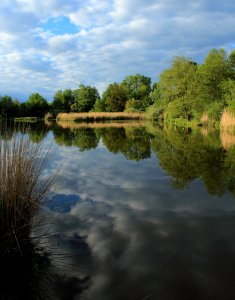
(36, 106)
(229, 94)
(154, 112)
(138, 88)
(84, 98)
(9, 107)
(215, 70)
(178, 90)
(62, 101)
(115, 97)
(99, 106)
(215, 110)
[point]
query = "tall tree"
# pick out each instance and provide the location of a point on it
(36, 105)
(115, 97)
(84, 98)
(9, 107)
(178, 87)
(216, 69)
(139, 89)
(63, 100)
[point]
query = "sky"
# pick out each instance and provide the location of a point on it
(58, 44)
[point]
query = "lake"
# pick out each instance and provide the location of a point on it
(139, 212)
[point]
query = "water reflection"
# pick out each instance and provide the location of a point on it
(170, 256)
(141, 213)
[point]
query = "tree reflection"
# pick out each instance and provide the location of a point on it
(187, 156)
(133, 143)
(85, 139)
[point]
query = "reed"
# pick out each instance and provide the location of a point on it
(95, 116)
(204, 118)
(22, 190)
(227, 138)
(227, 119)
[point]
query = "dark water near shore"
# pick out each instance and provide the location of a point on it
(139, 212)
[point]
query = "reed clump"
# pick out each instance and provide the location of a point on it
(22, 190)
(227, 119)
(99, 116)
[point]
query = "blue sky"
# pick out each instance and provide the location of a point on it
(58, 44)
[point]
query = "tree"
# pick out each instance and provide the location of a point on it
(9, 107)
(232, 59)
(84, 98)
(139, 89)
(115, 97)
(63, 100)
(36, 105)
(99, 106)
(177, 89)
(216, 69)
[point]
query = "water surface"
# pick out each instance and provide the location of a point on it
(141, 212)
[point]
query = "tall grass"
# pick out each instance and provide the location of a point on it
(94, 116)
(227, 119)
(22, 190)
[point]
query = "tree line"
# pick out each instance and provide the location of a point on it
(186, 90)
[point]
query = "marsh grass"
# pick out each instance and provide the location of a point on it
(22, 189)
(99, 116)
(227, 119)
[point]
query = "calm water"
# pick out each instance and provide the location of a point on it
(140, 213)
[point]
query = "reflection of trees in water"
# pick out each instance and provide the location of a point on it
(133, 143)
(37, 131)
(186, 157)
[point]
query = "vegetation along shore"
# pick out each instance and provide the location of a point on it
(188, 91)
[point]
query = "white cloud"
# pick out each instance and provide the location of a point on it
(116, 38)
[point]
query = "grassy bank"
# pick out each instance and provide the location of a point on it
(99, 116)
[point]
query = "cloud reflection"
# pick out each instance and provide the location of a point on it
(135, 237)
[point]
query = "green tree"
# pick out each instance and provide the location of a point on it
(177, 88)
(139, 89)
(99, 106)
(229, 94)
(84, 98)
(232, 59)
(36, 105)
(62, 101)
(115, 97)
(216, 69)
(9, 107)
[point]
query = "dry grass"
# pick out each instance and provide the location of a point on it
(227, 138)
(73, 125)
(227, 119)
(22, 189)
(204, 118)
(99, 116)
